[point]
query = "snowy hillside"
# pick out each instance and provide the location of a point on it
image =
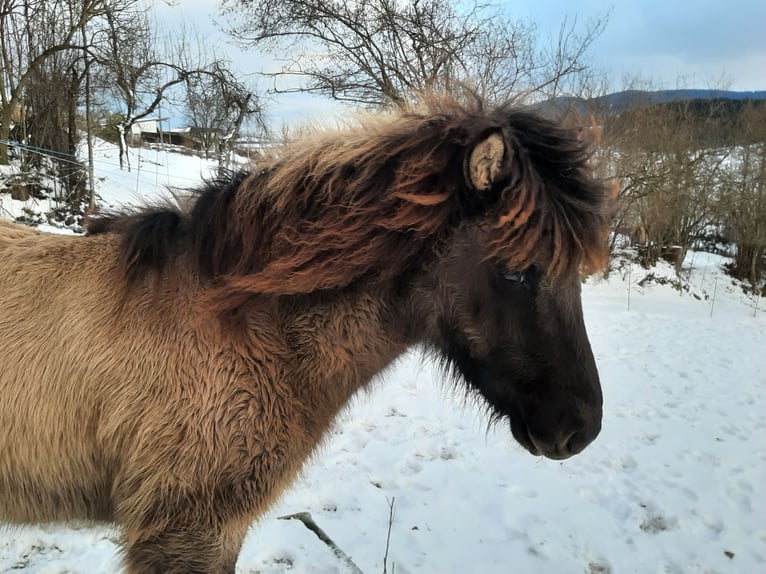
(675, 483)
(153, 173)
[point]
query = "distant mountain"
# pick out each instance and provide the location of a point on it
(620, 101)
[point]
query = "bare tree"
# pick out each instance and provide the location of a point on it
(44, 48)
(133, 72)
(32, 34)
(375, 52)
(139, 72)
(744, 202)
(216, 105)
(691, 171)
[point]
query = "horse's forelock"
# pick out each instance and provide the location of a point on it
(552, 210)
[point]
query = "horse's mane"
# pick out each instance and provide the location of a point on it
(372, 201)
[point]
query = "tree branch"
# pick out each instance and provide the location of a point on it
(308, 522)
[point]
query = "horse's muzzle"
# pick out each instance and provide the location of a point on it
(567, 438)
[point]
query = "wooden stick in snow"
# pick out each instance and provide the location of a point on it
(309, 523)
(388, 535)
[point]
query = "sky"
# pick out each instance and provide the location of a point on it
(668, 43)
(652, 44)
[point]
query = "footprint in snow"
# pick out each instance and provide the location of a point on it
(447, 453)
(522, 492)
(410, 468)
(650, 438)
(656, 523)
(598, 567)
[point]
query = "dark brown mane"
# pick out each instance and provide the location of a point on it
(374, 200)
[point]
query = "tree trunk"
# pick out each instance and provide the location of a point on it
(91, 182)
(226, 142)
(124, 159)
(5, 135)
(748, 262)
(72, 168)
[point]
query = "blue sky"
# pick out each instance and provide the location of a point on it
(700, 43)
(660, 43)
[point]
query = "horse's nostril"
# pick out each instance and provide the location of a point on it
(573, 444)
(561, 447)
(564, 447)
(558, 437)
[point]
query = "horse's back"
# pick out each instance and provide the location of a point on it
(10, 232)
(36, 262)
(49, 285)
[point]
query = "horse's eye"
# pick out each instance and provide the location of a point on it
(518, 277)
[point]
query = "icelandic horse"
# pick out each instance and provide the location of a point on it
(173, 369)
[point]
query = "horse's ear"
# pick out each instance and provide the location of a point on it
(485, 161)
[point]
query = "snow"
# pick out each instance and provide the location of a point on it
(675, 483)
(154, 174)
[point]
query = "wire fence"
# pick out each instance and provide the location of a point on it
(61, 184)
(144, 167)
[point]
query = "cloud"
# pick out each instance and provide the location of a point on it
(664, 40)
(705, 30)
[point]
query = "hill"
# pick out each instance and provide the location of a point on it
(631, 98)
(620, 101)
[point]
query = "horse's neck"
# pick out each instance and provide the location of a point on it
(336, 343)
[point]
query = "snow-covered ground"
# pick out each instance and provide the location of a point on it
(675, 483)
(153, 172)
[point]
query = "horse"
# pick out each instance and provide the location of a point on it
(171, 370)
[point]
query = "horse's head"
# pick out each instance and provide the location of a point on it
(518, 338)
(507, 308)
